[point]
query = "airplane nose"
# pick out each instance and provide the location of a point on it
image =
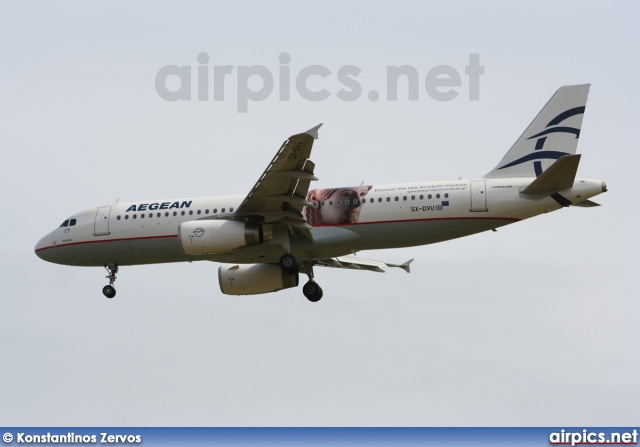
(41, 248)
(38, 248)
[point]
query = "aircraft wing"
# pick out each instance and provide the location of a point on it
(280, 193)
(355, 263)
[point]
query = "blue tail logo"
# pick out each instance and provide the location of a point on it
(541, 136)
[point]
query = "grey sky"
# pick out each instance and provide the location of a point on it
(536, 324)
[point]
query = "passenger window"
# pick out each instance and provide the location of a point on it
(159, 214)
(330, 202)
(126, 217)
(388, 199)
(339, 202)
(134, 216)
(421, 197)
(396, 198)
(166, 214)
(355, 201)
(379, 199)
(182, 213)
(222, 210)
(404, 198)
(446, 195)
(437, 196)
(413, 197)
(215, 211)
(175, 213)
(118, 217)
(429, 196)
(347, 202)
(199, 212)
(190, 212)
(321, 203)
(141, 216)
(231, 210)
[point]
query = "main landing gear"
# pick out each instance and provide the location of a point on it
(110, 291)
(312, 291)
(290, 265)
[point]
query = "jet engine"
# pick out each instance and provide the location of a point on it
(251, 279)
(202, 237)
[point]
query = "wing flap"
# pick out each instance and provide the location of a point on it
(300, 175)
(289, 199)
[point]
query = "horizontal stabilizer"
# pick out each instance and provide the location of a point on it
(586, 204)
(557, 177)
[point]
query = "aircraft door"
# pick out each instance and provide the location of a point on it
(101, 225)
(478, 196)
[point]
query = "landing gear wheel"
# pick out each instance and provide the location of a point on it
(312, 291)
(289, 263)
(109, 291)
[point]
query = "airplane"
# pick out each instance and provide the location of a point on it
(281, 228)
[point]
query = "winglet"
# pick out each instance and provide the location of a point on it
(405, 266)
(314, 131)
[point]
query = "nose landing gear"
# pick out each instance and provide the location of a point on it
(109, 291)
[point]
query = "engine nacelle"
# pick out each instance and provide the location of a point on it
(202, 237)
(251, 279)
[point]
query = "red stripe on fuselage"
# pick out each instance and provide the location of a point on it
(108, 240)
(510, 219)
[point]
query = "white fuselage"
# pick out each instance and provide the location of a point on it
(387, 216)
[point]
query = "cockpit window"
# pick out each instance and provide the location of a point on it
(72, 222)
(65, 223)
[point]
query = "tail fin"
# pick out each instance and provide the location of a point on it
(552, 134)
